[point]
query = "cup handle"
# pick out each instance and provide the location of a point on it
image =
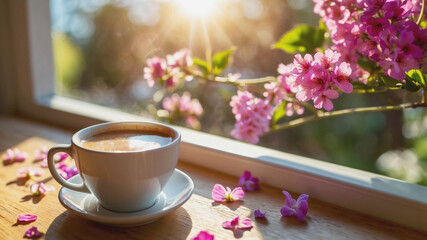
(51, 164)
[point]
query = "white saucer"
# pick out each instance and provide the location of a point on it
(176, 192)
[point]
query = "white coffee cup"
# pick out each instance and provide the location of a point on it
(124, 181)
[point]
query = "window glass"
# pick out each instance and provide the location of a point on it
(101, 48)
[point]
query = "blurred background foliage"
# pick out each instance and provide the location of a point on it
(101, 46)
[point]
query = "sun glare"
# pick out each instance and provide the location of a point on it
(198, 7)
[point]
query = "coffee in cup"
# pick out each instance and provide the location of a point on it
(125, 165)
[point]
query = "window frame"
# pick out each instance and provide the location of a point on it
(27, 89)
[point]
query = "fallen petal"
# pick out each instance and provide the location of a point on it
(259, 214)
(27, 218)
(238, 193)
(32, 232)
(219, 193)
(203, 235)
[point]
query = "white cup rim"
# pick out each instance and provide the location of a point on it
(92, 130)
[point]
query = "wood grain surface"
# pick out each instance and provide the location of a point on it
(324, 221)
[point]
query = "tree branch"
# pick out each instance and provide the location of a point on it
(420, 18)
(322, 115)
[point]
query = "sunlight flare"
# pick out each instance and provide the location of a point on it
(197, 7)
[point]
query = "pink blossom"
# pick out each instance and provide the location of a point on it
(340, 76)
(297, 208)
(249, 182)
(203, 235)
(406, 46)
(14, 155)
(236, 223)
(32, 232)
(27, 218)
(38, 189)
(28, 172)
(259, 214)
(328, 59)
(396, 9)
(375, 26)
(292, 107)
(338, 13)
(180, 59)
(371, 8)
(185, 106)
(398, 64)
(156, 68)
(252, 116)
(319, 81)
(274, 92)
(222, 194)
(302, 65)
(190, 106)
(233, 77)
(324, 100)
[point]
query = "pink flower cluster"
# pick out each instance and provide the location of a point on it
(317, 78)
(170, 71)
(378, 29)
(184, 106)
(277, 91)
(252, 115)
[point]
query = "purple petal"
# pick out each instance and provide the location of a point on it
(249, 186)
(245, 224)
(27, 218)
(246, 175)
(301, 211)
(218, 193)
(289, 201)
(302, 197)
(203, 235)
(287, 211)
(259, 214)
(237, 193)
(32, 232)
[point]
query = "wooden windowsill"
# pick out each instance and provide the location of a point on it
(324, 221)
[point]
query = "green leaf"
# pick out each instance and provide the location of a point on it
(322, 25)
(386, 81)
(202, 64)
(221, 59)
(278, 113)
(302, 38)
(411, 84)
(418, 76)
